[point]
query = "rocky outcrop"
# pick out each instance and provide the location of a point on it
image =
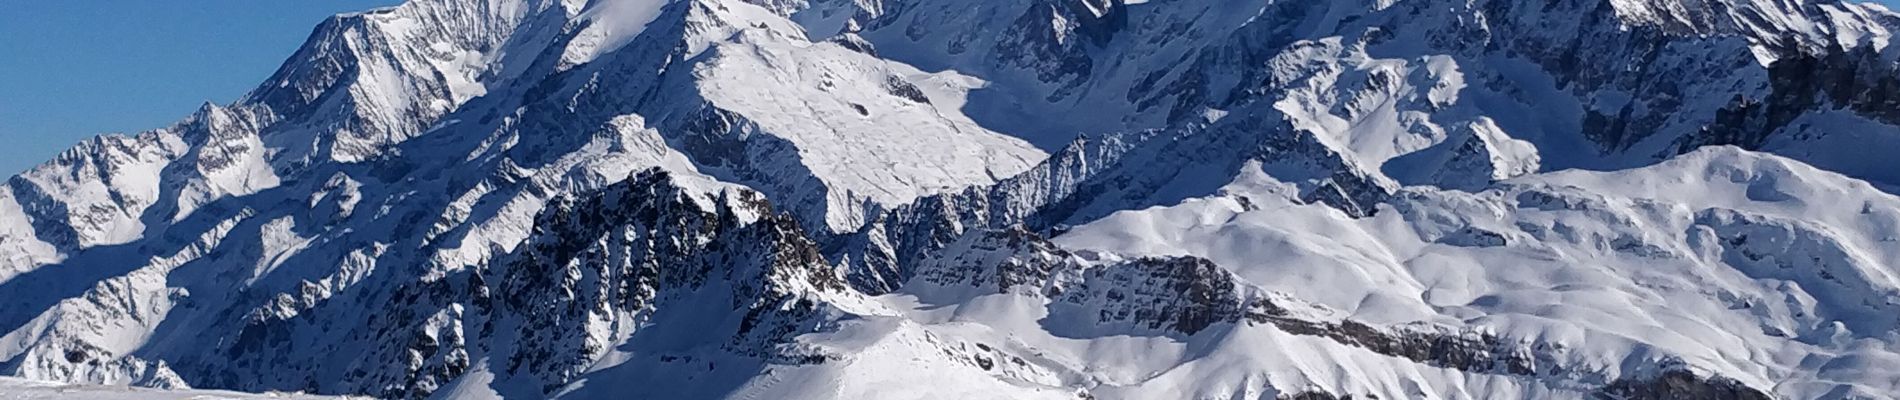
(440, 188)
(1679, 384)
(1009, 260)
(1447, 348)
(1185, 296)
(636, 246)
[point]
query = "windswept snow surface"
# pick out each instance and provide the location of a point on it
(1754, 266)
(20, 389)
(609, 25)
(1041, 199)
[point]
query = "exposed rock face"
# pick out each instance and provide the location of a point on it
(1468, 351)
(1184, 295)
(1091, 178)
(1679, 384)
(1189, 295)
(999, 261)
(636, 246)
(594, 269)
(1022, 199)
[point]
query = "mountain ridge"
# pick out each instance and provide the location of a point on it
(1054, 198)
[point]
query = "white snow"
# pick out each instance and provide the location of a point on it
(609, 25)
(1613, 265)
(21, 389)
(410, 148)
(841, 111)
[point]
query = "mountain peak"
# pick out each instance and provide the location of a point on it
(1053, 199)
(1775, 28)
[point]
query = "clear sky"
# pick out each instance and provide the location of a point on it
(70, 69)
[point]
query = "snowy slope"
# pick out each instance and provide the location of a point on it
(1751, 266)
(997, 199)
(18, 389)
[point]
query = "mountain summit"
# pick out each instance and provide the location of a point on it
(1062, 199)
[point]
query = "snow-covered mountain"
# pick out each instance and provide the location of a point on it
(20, 389)
(1056, 199)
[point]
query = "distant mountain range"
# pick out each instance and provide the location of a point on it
(1022, 199)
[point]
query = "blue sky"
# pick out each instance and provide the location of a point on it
(70, 69)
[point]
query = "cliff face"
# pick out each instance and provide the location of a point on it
(1021, 199)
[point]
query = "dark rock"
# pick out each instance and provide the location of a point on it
(1676, 384)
